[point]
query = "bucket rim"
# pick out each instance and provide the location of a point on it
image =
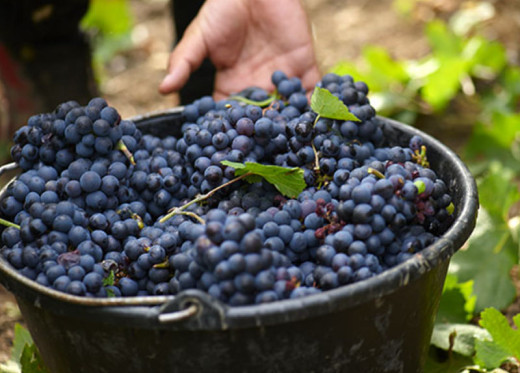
(289, 309)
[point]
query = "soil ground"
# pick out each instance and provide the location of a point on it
(341, 29)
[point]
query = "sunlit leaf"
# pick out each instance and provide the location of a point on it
(327, 105)
(443, 42)
(444, 84)
(505, 341)
(498, 192)
(31, 360)
(459, 337)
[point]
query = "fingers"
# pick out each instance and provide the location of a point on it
(185, 58)
(310, 78)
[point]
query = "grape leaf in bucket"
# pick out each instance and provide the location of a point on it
(288, 181)
(325, 104)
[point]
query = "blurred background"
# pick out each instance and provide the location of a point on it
(448, 67)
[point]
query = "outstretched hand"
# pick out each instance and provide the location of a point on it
(246, 40)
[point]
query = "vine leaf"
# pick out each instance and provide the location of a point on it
(505, 340)
(288, 181)
(325, 104)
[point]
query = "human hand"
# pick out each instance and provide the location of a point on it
(246, 40)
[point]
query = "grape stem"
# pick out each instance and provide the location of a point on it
(263, 103)
(121, 146)
(180, 210)
(318, 116)
(164, 264)
(9, 224)
(376, 173)
(316, 159)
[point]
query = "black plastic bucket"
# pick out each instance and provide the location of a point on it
(382, 324)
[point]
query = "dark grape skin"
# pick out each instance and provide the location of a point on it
(255, 235)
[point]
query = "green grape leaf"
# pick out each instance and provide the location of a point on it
(489, 354)
(442, 40)
(495, 141)
(457, 302)
(490, 56)
(505, 341)
(288, 181)
(498, 192)
(31, 361)
(492, 284)
(22, 337)
(459, 338)
(444, 84)
(325, 104)
(108, 17)
(384, 71)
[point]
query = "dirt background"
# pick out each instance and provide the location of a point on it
(341, 28)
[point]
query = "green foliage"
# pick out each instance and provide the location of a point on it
(25, 357)
(404, 89)
(487, 261)
(465, 347)
(110, 17)
(109, 24)
(325, 104)
(496, 140)
(504, 342)
(288, 181)
(458, 301)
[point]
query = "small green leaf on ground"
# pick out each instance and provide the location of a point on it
(25, 357)
(505, 341)
(31, 360)
(22, 337)
(459, 338)
(288, 181)
(325, 104)
(489, 354)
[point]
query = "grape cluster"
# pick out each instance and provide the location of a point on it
(88, 209)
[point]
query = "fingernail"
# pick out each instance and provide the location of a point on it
(167, 82)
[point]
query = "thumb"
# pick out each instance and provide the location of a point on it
(184, 59)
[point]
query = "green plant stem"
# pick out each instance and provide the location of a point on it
(316, 120)
(262, 104)
(192, 215)
(9, 224)
(121, 146)
(180, 210)
(376, 173)
(316, 159)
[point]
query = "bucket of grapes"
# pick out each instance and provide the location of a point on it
(261, 233)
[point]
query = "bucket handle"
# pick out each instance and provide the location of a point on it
(193, 309)
(8, 167)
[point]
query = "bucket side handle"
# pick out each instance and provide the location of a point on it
(8, 167)
(194, 309)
